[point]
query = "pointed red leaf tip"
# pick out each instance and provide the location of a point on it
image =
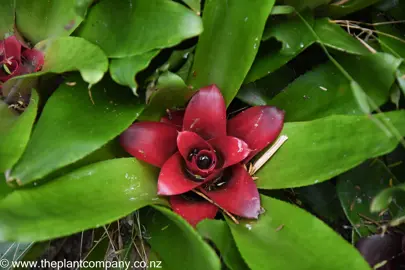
(174, 117)
(230, 149)
(174, 180)
(12, 48)
(206, 113)
(152, 142)
(257, 126)
(239, 195)
(193, 211)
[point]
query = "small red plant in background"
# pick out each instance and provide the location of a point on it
(16, 59)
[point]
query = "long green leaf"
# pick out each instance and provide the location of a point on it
(172, 237)
(301, 5)
(43, 19)
(123, 70)
(71, 127)
(194, 5)
(342, 8)
(391, 41)
(224, 54)
(324, 91)
(318, 150)
(126, 28)
(391, 198)
(67, 54)
(4, 188)
(287, 237)
(295, 37)
(74, 53)
(170, 92)
(15, 132)
(219, 233)
(387, 196)
(7, 12)
(89, 197)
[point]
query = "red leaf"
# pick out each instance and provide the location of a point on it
(206, 113)
(193, 211)
(239, 195)
(231, 149)
(257, 126)
(174, 180)
(152, 142)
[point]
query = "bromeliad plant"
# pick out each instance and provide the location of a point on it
(83, 80)
(17, 59)
(200, 152)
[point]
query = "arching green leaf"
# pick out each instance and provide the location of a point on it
(86, 198)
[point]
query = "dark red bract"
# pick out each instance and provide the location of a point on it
(198, 149)
(17, 60)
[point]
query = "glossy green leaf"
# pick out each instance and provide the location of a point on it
(172, 237)
(170, 92)
(324, 90)
(89, 197)
(261, 91)
(81, 7)
(391, 198)
(68, 54)
(333, 36)
(342, 8)
(287, 237)
(224, 54)
(74, 53)
(43, 19)
(290, 31)
(6, 18)
(357, 188)
(124, 70)
(194, 5)
(326, 147)
(4, 188)
(390, 37)
(15, 131)
(361, 97)
(185, 70)
(177, 59)
(126, 28)
(301, 5)
(108, 151)
(387, 196)
(282, 10)
(12, 252)
(219, 233)
(71, 127)
(295, 36)
(401, 81)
